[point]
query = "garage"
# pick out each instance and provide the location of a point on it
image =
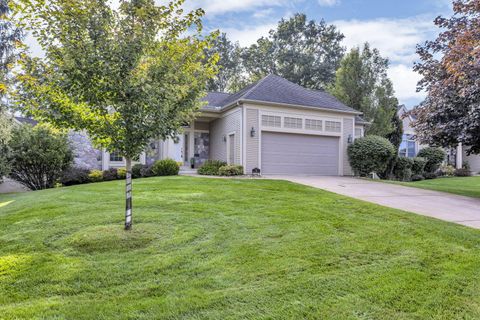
(289, 153)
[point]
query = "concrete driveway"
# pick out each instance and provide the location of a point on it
(440, 205)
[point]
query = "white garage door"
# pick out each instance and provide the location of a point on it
(287, 153)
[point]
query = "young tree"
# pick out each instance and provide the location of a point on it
(362, 83)
(450, 68)
(304, 52)
(124, 75)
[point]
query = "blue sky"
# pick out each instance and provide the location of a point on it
(394, 27)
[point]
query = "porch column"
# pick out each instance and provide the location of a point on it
(459, 160)
(105, 159)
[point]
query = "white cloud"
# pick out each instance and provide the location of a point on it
(328, 3)
(395, 38)
(250, 34)
(405, 82)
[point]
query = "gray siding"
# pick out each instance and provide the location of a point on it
(223, 127)
(473, 160)
(348, 129)
(251, 157)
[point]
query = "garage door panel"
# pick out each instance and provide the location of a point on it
(285, 153)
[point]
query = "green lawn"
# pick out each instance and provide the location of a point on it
(229, 249)
(465, 186)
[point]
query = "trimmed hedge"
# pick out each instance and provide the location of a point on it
(418, 167)
(110, 174)
(95, 176)
(434, 157)
(230, 170)
(137, 170)
(74, 175)
(165, 167)
(211, 167)
(403, 168)
(463, 172)
(370, 154)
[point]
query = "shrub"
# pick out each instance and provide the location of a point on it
(418, 167)
(230, 170)
(211, 167)
(403, 168)
(418, 177)
(370, 154)
(146, 171)
(430, 175)
(165, 167)
(110, 174)
(121, 173)
(463, 172)
(74, 175)
(95, 176)
(137, 170)
(38, 156)
(447, 170)
(434, 157)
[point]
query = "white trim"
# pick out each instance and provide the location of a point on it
(243, 139)
(234, 146)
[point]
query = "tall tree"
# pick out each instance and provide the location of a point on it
(124, 75)
(231, 74)
(10, 39)
(304, 52)
(362, 83)
(450, 66)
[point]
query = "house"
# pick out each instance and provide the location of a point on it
(410, 146)
(273, 124)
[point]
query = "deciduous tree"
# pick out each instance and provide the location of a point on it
(362, 83)
(450, 66)
(304, 52)
(125, 75)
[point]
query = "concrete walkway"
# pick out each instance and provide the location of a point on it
(440, 205)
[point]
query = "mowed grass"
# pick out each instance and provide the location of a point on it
(229, 249)
(464, 186)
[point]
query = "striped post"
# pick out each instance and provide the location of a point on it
(128, 198)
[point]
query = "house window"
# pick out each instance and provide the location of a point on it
(408, 147)
(333, 126)
(115, 157)
(312, 124)
(358, 133)
(271, 121)
(292, 122)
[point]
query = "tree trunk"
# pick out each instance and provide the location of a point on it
(128, 198)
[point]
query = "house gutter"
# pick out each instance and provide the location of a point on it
(241, 101)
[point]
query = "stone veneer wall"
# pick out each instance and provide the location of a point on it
(85, 155)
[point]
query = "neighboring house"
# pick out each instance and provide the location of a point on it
(273, 124)
(410, 146)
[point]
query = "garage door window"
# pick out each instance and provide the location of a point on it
(271, 121)
(295, 123)
(333, 126)
(312, 124)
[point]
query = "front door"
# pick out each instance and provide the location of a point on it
(201, 146)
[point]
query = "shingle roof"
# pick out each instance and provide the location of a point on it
(276, 89)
